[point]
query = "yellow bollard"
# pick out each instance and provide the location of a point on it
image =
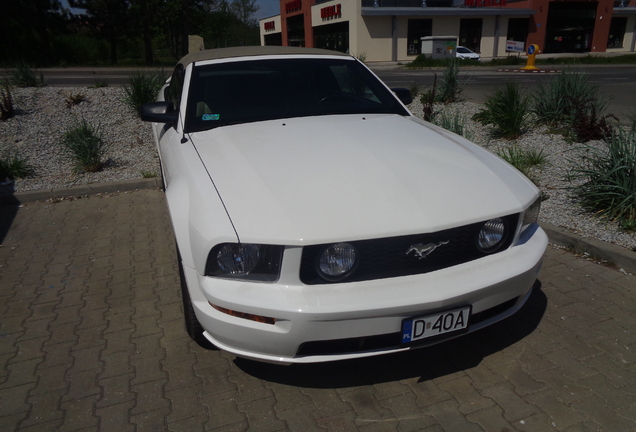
(532, 49)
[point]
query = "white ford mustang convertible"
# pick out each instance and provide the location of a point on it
(317, 219)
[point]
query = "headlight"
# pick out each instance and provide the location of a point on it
(492, 235)
(237, 259)
(337, 261)
(245, 261)
(531, 215)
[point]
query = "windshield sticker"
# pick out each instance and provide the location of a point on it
(210, 116)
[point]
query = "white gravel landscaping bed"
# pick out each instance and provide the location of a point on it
(560, 208)
(43, 116)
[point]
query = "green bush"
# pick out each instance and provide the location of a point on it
(455, 123)
(569, 99)
(450, 88)
(505, 61)
(421, 61)
(22, 75)
(415, 89)
(80, 50)
(559, 99)
(507, 110)
(362, 56)
(14, 167)
(142, 88)
(590, 124)
(100, 83)
(428, 101)
(6, 103)
(523, 160)
(83, 144)
(589, 59)
(610, 174)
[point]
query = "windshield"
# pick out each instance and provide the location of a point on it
(249, 91)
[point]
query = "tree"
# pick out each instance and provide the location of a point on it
(110, 17)
(26, 29)
(244, 11)
(144, 13)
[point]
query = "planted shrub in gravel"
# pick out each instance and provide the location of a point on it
(83, 144)
(609, 175)
(522, 159)
(507, 110)
(13, 166)
(558, 100)
(450, 87)
(22, 75)
(142, 88)
(6, 103)
(454, 122)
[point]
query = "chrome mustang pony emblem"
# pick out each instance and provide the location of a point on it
(424, 250)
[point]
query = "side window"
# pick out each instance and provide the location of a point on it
(176, 86)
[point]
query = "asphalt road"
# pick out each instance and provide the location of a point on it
(617, 83)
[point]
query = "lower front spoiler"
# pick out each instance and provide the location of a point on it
(322, 351)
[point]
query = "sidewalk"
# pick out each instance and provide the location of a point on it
(92, 339)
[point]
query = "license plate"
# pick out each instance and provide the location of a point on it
(414, 329)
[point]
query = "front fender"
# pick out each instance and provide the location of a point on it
(198, 216)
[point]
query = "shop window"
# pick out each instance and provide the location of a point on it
(296, 31)
(417, 29)
(570, 27)
(517, 29)
(274, 39)
(470, 33)
(332, 36)
(617, 32)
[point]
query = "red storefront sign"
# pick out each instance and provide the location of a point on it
(269, 26)
(293, 6)
(334, 11)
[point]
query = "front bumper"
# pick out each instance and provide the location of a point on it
(358, 310)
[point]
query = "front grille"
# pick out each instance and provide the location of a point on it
(387, 257)
(390, 340)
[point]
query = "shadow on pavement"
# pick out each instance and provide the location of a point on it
(9, 206)
(449, 357)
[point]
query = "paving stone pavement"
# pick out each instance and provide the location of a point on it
(92, 339)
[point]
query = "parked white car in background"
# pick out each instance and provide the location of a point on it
(316, 219)
(466, 54)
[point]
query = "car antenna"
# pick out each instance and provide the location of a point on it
(183, 137)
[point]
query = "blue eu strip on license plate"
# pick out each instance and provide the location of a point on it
(414, 329)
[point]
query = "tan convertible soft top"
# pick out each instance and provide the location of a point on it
(220, 53)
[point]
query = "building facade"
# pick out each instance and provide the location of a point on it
(391, 30)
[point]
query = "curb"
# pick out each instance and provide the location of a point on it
(80, 190)
(605, 251)
(601, 250)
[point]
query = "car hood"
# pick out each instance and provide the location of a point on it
(350, 177)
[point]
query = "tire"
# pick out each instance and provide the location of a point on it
(192, 324)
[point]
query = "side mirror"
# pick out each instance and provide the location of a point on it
(403, 94)
(159, 112)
